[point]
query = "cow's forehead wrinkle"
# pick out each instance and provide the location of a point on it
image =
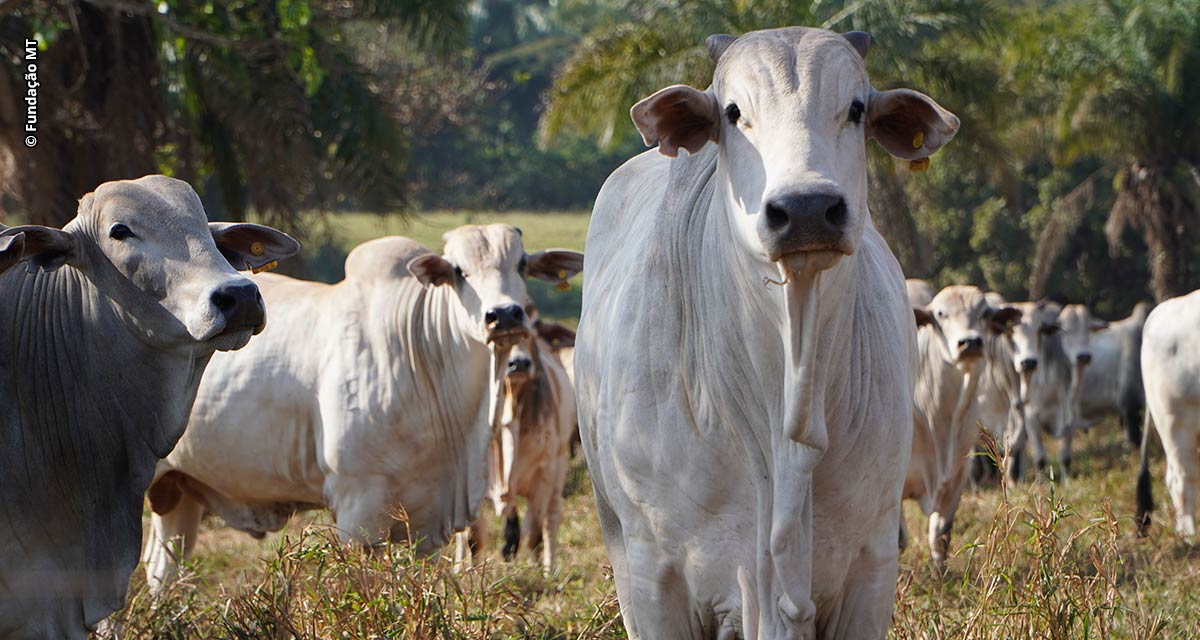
(484, 246)
(959, 299)
(779, 58)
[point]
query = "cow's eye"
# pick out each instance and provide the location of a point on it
(120, 232)
(521, 266)
(459, 272)
(856, 111)
(733, 113)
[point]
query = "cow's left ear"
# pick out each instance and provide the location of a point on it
(923, 317)
(553, 265)
(1096, 325)
(1050, 328)
(252, 246)
(1002, 320)
(557, 335)
(431, 269)
(909, 125)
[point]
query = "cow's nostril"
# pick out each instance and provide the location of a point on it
(223, 301)
(777, 218)
(1029, 364)
(836, 215)
(1084, 358)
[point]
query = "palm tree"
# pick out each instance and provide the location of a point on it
(265, 101)
(1126, 75)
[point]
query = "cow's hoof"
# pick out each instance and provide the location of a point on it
(512, 536)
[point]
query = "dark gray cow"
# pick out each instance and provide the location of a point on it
(104, 334)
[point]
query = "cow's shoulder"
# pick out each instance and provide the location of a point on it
(384, 258)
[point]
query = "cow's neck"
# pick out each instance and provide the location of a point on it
(88, 409)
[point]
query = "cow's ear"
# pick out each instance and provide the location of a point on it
(1002, 320)
(1050, 328)
(1096, 325)
(431, 269)
(677, 117)
(252, 247)
(11, 249)
(44, 248)
(553, 265)
(909, 125)
(923, 317)
(557, 335)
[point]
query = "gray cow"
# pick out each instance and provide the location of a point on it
(104, 334)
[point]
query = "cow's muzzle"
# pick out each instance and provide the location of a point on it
(1083, 359)
(805, 223)
(970, 348)
(241, 306)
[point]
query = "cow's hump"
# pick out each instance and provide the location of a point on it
(386, 257)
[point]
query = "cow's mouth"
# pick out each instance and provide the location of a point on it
(506, 338)
(969, 355)
(233, 338)
(810, 260)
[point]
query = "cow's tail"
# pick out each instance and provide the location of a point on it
(749, 604)
(1145, 493)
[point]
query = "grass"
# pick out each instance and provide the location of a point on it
(1047, 560)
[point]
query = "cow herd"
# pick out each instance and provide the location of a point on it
(755, 389)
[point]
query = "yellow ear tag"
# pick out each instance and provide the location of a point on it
(257, 249)
(563, 286)
(919, 165)
(562, 275)
(266, 267)
(918, 139)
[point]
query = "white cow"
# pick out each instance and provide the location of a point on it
(1001, 395)
(1051, 402)
(104, 334)
(950, 343)
(369, 397)
(1171, 374)
(1112, 378)
(746, 351)
(920, 292)
(530, 452)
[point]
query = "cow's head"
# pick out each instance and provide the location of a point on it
(790, 110)
(1078, 325)
(1039, 321)
(146, 245)
(959, 316)
(487, 267)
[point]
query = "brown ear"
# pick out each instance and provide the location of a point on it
(252, 247)
(553, 265)
(165, 494)
(11, 249)
(677, 117)
(1002, 320)
(1050, 328)
(717, 43)
(908, 124)
(860, 41)
(557, 335)
(1096, 325)
(431, 269)
(923, 317)
(43, 247)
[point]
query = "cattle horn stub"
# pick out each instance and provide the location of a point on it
(861, 42)
(717, 44)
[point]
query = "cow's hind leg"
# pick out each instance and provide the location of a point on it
(1179, 438)
(865, 609)
(172, 538)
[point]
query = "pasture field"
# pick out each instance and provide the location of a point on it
(1049, 561)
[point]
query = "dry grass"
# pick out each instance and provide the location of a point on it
(1047, 561)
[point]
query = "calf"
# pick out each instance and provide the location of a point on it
(955, 327)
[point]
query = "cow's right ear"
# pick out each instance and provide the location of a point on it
(11, 248)
(677, 117)
(43, 248)
(431, 269)
(1096, 325)
(924, 317)
(908, 124)
(1002, 320)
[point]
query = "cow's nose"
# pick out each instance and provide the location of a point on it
(1083, 358)
(508, 317)
(1029, 364)
(804, 222)
(241, 305)
(970, 343)
(520, 364)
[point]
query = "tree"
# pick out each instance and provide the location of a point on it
(263, 101)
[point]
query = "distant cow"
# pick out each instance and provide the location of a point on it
(746, 349)
(1046, 376)
(1112, 379)
(1171, 373)
(920, 292)
(372, 397)
(530, 449)
(950, 343)
(1001, 396)
(104, 334)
